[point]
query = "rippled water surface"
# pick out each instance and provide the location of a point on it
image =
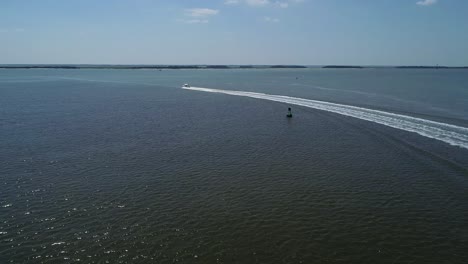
(123, 166)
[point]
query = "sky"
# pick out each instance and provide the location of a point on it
(305, 32)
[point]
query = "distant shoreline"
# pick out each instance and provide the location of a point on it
(201, 67)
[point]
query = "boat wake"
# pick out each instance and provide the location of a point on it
(451, 134)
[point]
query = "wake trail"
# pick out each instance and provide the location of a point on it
(451, 134)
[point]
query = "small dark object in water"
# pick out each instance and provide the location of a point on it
(289, 112)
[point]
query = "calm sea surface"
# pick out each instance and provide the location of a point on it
(124, 166)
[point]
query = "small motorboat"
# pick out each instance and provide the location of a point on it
(186, 85)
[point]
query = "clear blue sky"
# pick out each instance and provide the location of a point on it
(311, 32)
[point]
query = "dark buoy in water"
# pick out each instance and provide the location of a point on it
(289, 112)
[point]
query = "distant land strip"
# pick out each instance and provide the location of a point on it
(176, 67)
(342, 67)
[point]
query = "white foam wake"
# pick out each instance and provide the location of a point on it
(451, 134)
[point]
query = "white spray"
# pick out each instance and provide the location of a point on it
(451, 134)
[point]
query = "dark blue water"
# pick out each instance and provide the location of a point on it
(124, 166)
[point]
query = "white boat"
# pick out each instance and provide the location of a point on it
(186, 85)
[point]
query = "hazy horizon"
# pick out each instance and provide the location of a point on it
(235, 32)
(205, 64)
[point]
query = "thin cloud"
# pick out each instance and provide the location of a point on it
(257, 2)
(270, 19)
(231, 2)
(198, 15)
(426, 2)
(282, 4)
(196, 21)
(201, 12)
(264, 3)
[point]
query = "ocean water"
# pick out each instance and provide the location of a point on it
(124, 166)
